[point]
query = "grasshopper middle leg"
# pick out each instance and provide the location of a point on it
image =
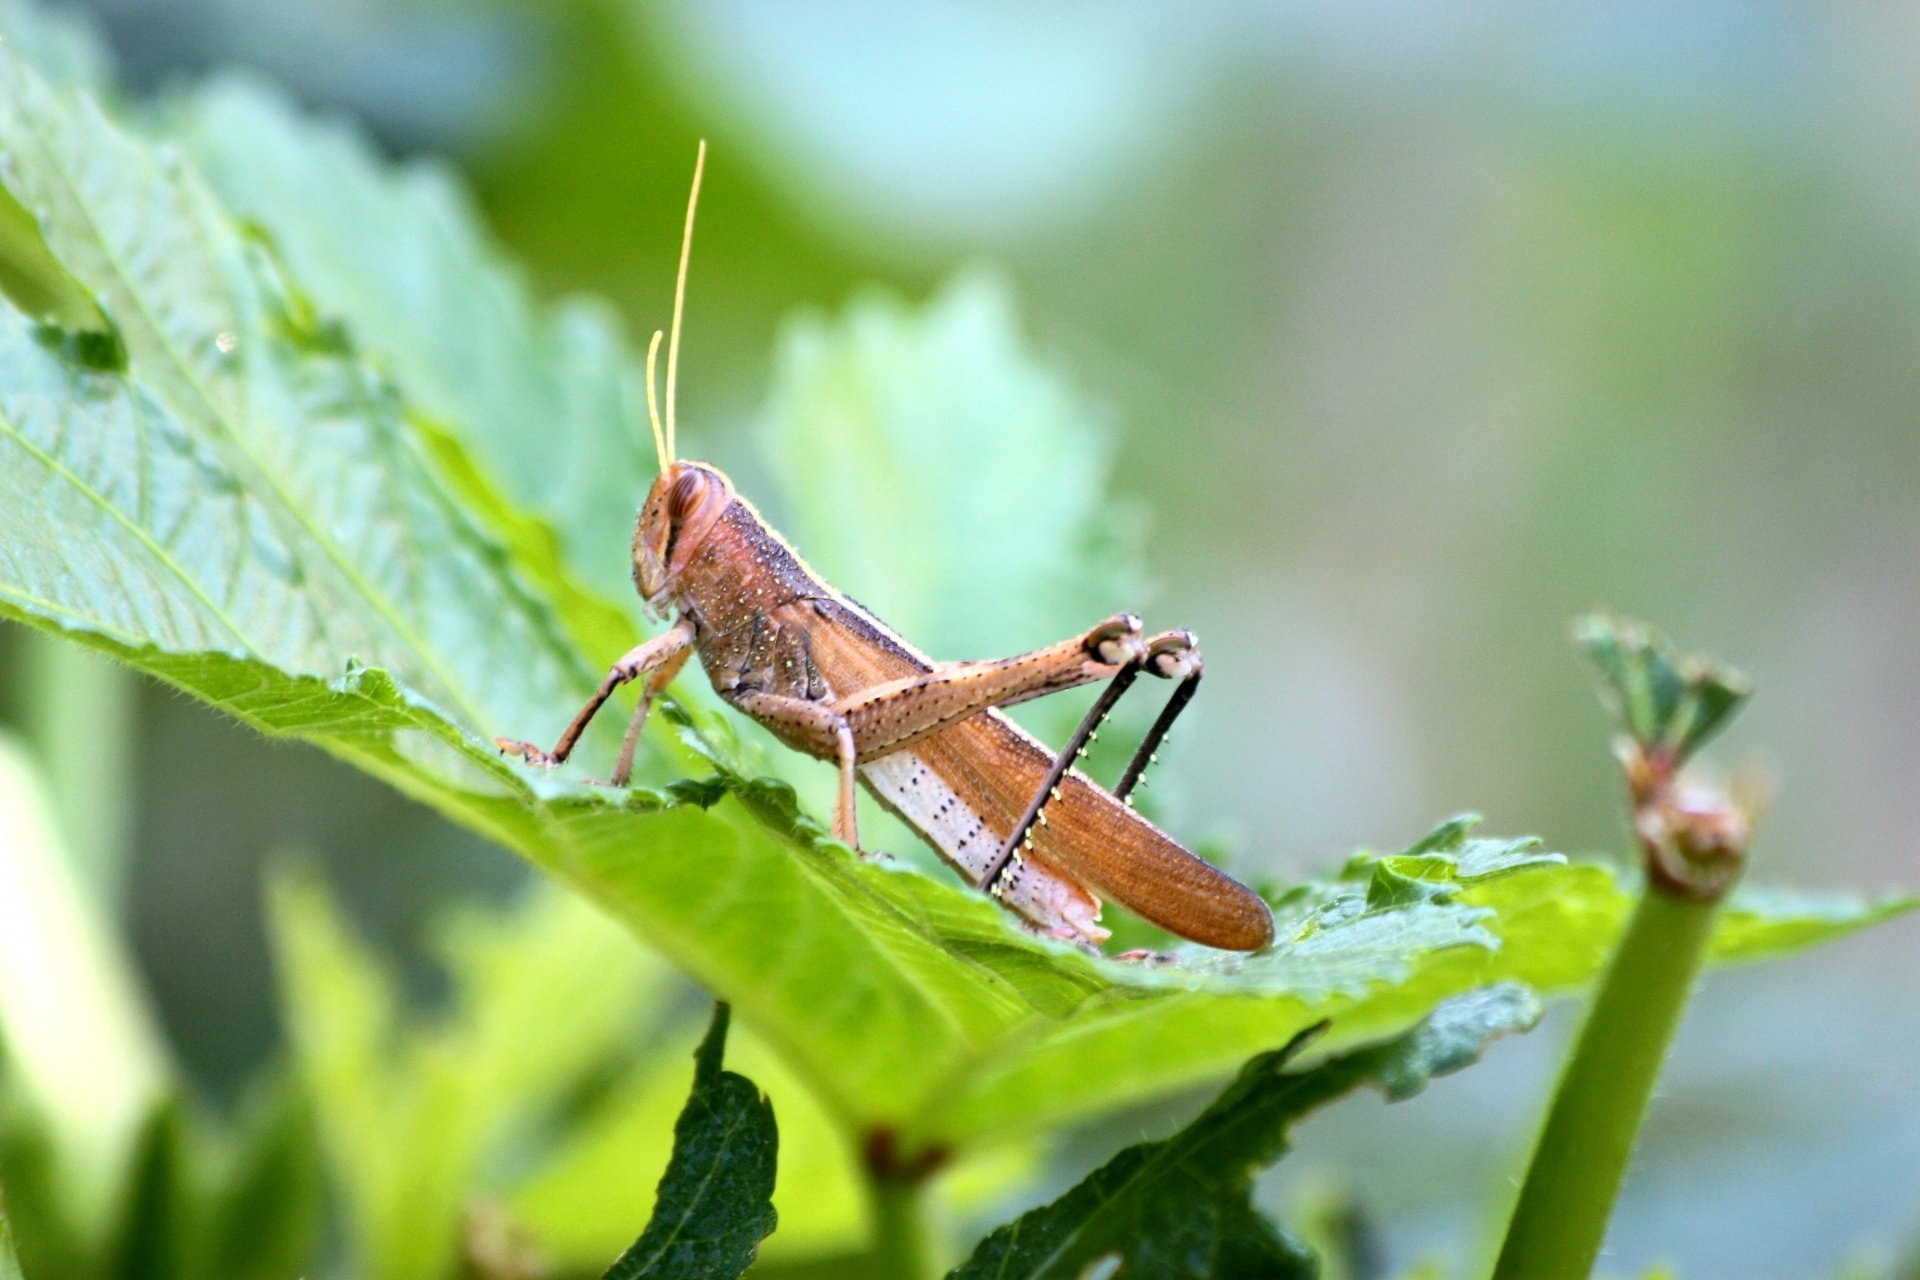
(811, 725)
(662, 676)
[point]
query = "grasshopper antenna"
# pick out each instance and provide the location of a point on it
(660, 449)
(680, 296)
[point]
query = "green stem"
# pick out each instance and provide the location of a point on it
(902, 1248)
(77, 712)
(1561, 1218)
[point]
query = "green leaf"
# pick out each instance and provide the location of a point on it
(258, 512)
(715, 1203)
(414, 1116)
(265, 1214)
(1181, 1207)
(1466, 913)
(193, 1201)
(61, 43)
(9, 1258)
(154, 1240)
(582, 1203)
(64, 51)
(45, 1232)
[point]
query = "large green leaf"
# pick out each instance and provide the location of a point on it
(545, 400)
(715, 1203)
(254, 511)
(1181, 1208)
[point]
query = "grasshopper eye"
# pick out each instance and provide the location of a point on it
(685, 495)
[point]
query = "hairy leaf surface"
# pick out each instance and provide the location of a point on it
(546, 401)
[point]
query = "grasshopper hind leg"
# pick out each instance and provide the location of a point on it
(1171, 655)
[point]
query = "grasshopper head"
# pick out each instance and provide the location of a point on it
(684, 504)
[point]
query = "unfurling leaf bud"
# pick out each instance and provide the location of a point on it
(1694, 834)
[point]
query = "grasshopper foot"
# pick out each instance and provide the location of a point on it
(1148, 958)
(526, 751)
(1173, 655)
(1117, 642)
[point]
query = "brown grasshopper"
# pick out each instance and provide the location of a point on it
(927, 738)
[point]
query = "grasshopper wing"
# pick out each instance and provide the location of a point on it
(993, 768)
(1089, 836)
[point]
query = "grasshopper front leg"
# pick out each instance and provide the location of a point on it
(662, 656)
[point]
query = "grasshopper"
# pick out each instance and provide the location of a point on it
(928, 739)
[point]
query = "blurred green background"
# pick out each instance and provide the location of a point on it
(1423, 327)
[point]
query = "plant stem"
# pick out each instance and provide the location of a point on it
(77, 712)
(1560, 1220)
(902, 1248)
